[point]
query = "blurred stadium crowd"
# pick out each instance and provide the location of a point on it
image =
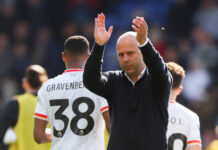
(184, 31)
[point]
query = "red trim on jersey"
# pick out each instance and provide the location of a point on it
(104, 108)
(172, 101)
(194, 141)
(72, 70)
(40, 116)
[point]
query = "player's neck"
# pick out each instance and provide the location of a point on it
(75, 66)
(173, 96)
(30, 90)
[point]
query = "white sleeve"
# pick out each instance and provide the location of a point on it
(194, 135)
(41, 107)
(103, 104)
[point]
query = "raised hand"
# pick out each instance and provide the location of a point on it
(100, 34)
(141, 28)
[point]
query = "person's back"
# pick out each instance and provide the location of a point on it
(75, 114)
(183, 127)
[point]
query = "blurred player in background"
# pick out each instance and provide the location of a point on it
(74, 113)
(18, 113)
(214, 144)
(183, 127)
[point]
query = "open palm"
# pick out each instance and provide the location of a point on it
(141, 28)
(100, 34)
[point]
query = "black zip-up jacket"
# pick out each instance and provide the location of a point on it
(138, 112)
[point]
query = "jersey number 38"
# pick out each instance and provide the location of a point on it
(63, 104)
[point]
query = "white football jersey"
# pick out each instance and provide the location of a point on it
(183, 127)
(74, 113)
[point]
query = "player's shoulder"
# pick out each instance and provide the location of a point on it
(186, 111)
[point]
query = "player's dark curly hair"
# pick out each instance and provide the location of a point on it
(35, 76)
(76, 45)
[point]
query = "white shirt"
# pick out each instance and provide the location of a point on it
(139, 76)
(74, 113)
(183, 127)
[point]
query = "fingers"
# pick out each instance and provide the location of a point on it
(139, 25)
(110, 30)
(143, 21)
(135, 29)
(97, 22)
(100, 24)
(102, 19)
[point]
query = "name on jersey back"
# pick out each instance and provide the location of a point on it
(65, 86)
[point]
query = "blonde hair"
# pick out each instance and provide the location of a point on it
(178, 73)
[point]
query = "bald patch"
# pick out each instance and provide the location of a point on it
(127, 35)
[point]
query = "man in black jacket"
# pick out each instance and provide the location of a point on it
(138, 95)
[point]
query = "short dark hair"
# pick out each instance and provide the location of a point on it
(35, 76)
(177, 72)
(76, 45)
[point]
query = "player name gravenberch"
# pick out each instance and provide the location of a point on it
(65, 86)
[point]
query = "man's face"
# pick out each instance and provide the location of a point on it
(129, 56)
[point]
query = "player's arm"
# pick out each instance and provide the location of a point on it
(156, 66)
(40, 134)
(194, 147)
(107, 120)
(93, 78)
(41, 119)
(105, 113)
(194, 138)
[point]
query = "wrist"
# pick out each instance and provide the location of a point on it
(143, 43)
(99, 43)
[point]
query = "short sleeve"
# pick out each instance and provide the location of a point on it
(41, 107)
(194, 135)
(103, 104)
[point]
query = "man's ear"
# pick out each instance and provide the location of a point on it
(25, 84)
(64, 56)
(86, 56)
(179, 90)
